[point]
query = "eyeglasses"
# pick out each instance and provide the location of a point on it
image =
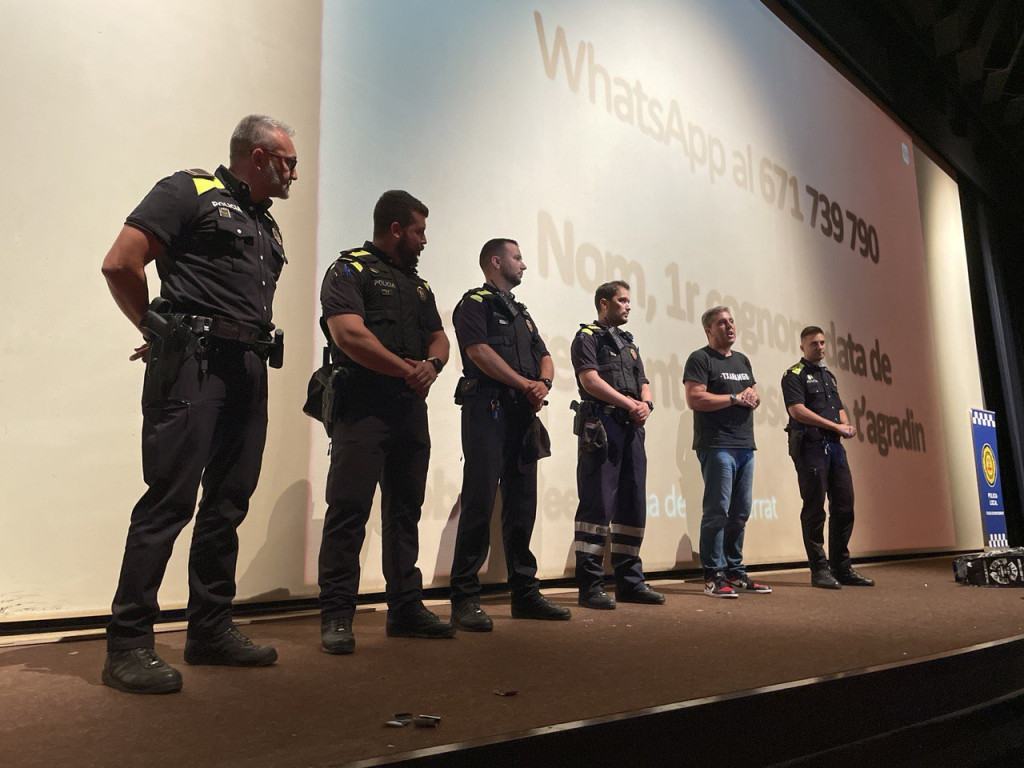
(289, 161)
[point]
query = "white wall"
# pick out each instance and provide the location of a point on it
(101, 99)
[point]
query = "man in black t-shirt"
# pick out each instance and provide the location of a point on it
(507, 373)
(388, 343)
(218, 253)
(722, 392)
(817, 424)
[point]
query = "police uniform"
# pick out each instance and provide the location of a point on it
(223, 256)
(611, 481)
(821, 466)
(379, 432)
(495, 420)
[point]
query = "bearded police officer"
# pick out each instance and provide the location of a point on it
(611, 473)
(219, 254)
(817, 424)
(507, 373)
(388, 344)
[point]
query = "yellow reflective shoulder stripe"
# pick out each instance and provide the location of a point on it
(357, 265)
(426, 285)
(587, 331)
(205, 185)
(797, 368)
(475, 297)
(359, 253)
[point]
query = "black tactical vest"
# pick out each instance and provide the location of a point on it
(393, 302)
(618, 360)
(510, 332)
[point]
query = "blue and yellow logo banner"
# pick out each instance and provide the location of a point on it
(990, 488)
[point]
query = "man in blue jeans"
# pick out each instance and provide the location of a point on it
(721, 392)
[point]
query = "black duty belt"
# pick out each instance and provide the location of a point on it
(619, 415)
(227, 329)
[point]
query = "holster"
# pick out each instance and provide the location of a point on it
(171, 341)
(587, 425)
(470, 387)
(325, 392)
(796, 440)
(464, 389)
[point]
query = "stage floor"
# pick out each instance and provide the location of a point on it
(312, 709)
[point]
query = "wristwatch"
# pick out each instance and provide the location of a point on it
(733, 399)
(436, 362)
(546, 383)
(650, 405)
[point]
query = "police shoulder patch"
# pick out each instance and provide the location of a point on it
(204, 184)
(796, 369)
(357, 258)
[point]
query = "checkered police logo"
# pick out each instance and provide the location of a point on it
(983, 418)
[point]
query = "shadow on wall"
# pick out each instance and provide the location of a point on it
(690, 479)
(494, 568)
(446, 547)
(283, 550)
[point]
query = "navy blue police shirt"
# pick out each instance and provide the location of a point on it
(223, 251)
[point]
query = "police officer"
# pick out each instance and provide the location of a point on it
(507, 373)
(817, 423)
(219, 254)
(611, 473)
(386, 336)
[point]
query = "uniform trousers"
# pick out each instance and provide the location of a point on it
(612, 488)
(380, 436)
(492, 441)
(823, 471)
(211, 430)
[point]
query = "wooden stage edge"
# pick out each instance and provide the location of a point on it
(916, 671)
(940, 717)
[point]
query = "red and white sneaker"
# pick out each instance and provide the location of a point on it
(719, 588)
(746, 584)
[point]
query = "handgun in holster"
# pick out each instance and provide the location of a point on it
(324, 394)
(796, 439)
(587, 425)
(171, 341)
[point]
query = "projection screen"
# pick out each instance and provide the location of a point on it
(699, 151)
